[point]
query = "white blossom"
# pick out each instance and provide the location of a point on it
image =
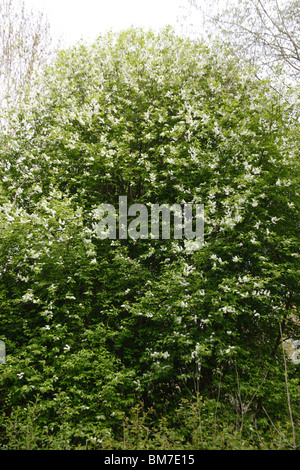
(28, 296)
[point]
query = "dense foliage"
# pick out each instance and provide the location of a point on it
(144, 343)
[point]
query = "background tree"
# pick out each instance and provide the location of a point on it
(265, 33)
(25, 45)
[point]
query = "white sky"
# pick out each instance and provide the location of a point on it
(76, 19)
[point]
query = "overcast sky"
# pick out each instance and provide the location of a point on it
(77, 19)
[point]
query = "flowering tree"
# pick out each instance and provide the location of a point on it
(93, 326)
